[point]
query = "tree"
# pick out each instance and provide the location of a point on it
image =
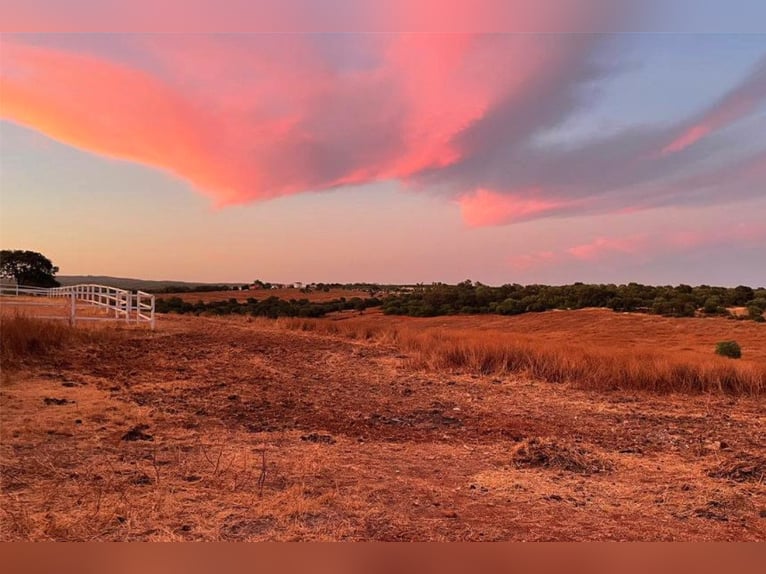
(755, 313)
(712, 305)
(742, 294)
(28, 268)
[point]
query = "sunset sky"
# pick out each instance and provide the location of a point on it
(389, 157)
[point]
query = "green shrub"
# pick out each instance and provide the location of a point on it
(729, 349)
(755, 313)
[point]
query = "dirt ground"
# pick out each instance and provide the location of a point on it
(224, 429)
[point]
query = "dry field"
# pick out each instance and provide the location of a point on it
(370, 428)
(592, 348)
(286, 293)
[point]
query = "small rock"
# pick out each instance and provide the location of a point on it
(318, 438)
(137, 433)
(54, 401)
(142, 480)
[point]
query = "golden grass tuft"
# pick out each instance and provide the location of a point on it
(496, 354)
(24, 338)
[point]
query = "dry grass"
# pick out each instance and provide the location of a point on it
(496, 353)
(26, 338)
(744, 467)
(559, 454)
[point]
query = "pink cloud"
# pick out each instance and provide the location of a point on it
(744, 234)
(606, 246)
(734, 106)
(485, 207)
(310, 16)
(645, 247)
(248, 118)
(687, 138)
(270, 116)
(533, 260)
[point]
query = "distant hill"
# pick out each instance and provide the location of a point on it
(129, 283)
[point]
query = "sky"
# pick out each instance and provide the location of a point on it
(389, 157)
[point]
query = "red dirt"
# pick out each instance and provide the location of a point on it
(412, 454)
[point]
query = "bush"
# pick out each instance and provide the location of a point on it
(729, 349)
(713, 306)
(755, 312)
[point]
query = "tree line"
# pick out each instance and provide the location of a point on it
(513, 299)
(272, 307)
(468, 297)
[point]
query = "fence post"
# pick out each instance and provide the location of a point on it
(72, 309)
(152, 313)
(128, 301)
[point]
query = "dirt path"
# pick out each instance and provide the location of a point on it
(216, 429)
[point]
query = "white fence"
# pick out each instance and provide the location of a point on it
(79, 302)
